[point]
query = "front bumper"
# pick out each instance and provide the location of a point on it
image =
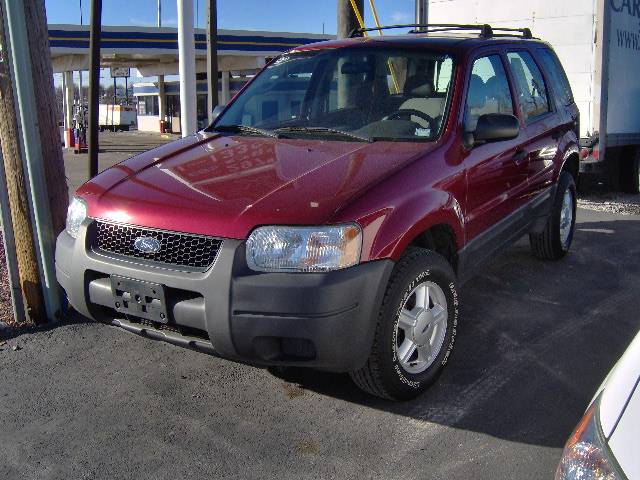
(320, 320)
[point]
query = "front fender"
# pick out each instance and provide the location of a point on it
(394, 228)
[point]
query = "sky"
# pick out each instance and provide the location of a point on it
(306, 16)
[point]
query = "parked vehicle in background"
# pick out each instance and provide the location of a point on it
(327, 216)
(605, 444)
(598, 43)
(117, 117)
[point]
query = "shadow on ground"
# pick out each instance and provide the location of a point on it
(535, 341)
(16, 330)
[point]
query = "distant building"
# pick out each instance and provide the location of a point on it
(154, 52)
(148, 100)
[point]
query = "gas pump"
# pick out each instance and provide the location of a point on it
(80, 116)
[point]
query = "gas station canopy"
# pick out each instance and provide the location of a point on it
(154, 51)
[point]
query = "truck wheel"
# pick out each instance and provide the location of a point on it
(630, 174)
(554, 241)
(416, 328)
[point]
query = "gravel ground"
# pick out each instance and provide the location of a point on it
(620, 203)
(6, 312)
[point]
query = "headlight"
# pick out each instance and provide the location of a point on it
(76, 214)
(586, 455)
(304, 249)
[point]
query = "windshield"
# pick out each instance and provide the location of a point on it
(346, 94)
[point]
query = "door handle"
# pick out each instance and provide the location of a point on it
(519, 156)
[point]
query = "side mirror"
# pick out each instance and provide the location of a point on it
(495, 127)
(216, 112)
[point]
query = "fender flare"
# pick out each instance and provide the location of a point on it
(403, 223)
(572, 149)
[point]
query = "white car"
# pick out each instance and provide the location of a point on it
(606, 443)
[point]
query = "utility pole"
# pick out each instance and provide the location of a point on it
(212, 57)
(422, 13)
(187, 68)
(347, 20)
(37, 138)
(94, 85)
(18, 201)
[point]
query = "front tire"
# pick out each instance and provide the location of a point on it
(555, 240)
(416, 328)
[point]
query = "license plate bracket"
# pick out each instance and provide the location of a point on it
(139, 298)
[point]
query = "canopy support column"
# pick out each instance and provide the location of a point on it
(187, 67)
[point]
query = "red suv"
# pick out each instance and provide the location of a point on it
(329, 213)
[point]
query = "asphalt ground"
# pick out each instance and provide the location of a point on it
(87, 400)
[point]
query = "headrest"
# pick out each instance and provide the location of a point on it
(419, 86)
(477, 94)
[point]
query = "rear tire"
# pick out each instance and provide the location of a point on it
(555, 240)
(419, 311)
(630, 173)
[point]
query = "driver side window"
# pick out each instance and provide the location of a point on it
(488, 91)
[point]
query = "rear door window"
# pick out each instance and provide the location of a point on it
(488, 91)
(532, 91)
(557, 76)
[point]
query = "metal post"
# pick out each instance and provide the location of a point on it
(113, 107)
(347, 20)
(187, 68)
(212, 57)
(80, 71)
(226, 88)
(28, 117)
(162, 101)
(422, 13)
(68, 107)
(10, 249)
(80, 95)
(94, 85)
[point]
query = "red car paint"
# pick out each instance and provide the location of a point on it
(225, 186)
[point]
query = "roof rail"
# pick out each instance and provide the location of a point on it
(485, 30)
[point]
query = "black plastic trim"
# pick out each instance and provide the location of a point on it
(504, 233)
(322, 320)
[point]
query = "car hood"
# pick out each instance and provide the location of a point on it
(226, 185)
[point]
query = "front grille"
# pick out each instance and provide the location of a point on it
(179, 249)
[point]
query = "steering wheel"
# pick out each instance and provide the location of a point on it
(406, 114)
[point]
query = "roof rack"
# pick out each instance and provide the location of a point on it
(485, 30)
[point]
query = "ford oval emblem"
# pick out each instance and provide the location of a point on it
(147, 244)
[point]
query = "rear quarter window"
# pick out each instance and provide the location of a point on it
(530, 84)
(557, 76)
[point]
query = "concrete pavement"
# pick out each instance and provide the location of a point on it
(114, 148)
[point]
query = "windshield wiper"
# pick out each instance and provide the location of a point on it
(321, 130)
(245, 129)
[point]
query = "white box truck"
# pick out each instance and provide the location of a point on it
(598, 42)
(117, 117)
